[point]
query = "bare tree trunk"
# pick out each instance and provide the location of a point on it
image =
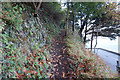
(95, 44)
(36, 7)
(96, 40)
(85, 34)
(81, 29)
(66, 27)
(73, 23)
(36, 11)
(39, 5)
(66, 33)
(92, 38)
(73, 17)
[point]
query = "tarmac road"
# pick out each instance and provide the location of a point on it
(109, 58)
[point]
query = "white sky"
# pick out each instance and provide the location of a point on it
(105, 43)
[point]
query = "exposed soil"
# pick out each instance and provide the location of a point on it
(60, 57)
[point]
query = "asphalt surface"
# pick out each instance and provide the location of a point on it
(109, 58)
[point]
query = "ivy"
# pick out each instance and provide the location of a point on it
(21, 44)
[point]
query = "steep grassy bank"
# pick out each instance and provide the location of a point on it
(84, 63)
(31, 45)
(24, 42)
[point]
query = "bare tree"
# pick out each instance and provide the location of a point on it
(36, 7)
(67, 19)
(96, 39)
(92, 37)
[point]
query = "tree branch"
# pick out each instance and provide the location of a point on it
(34, 4)
(39, 5)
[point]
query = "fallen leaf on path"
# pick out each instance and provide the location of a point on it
(56, 72)
(42, 50)
(24, 50)
(60, 63)
(59, 56)
(81, 65)
(40, 63)
(40, 72)
(55, 65)
(63, 74)
(63, 51)
(51, 74)
(24, 70)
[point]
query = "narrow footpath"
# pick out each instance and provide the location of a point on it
(60, 57)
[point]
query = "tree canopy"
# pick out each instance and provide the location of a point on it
(103, 16)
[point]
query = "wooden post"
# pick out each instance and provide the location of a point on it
(118, 68)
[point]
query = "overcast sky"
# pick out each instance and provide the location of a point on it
(105, 43)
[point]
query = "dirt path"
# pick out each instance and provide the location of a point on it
(60, 57)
